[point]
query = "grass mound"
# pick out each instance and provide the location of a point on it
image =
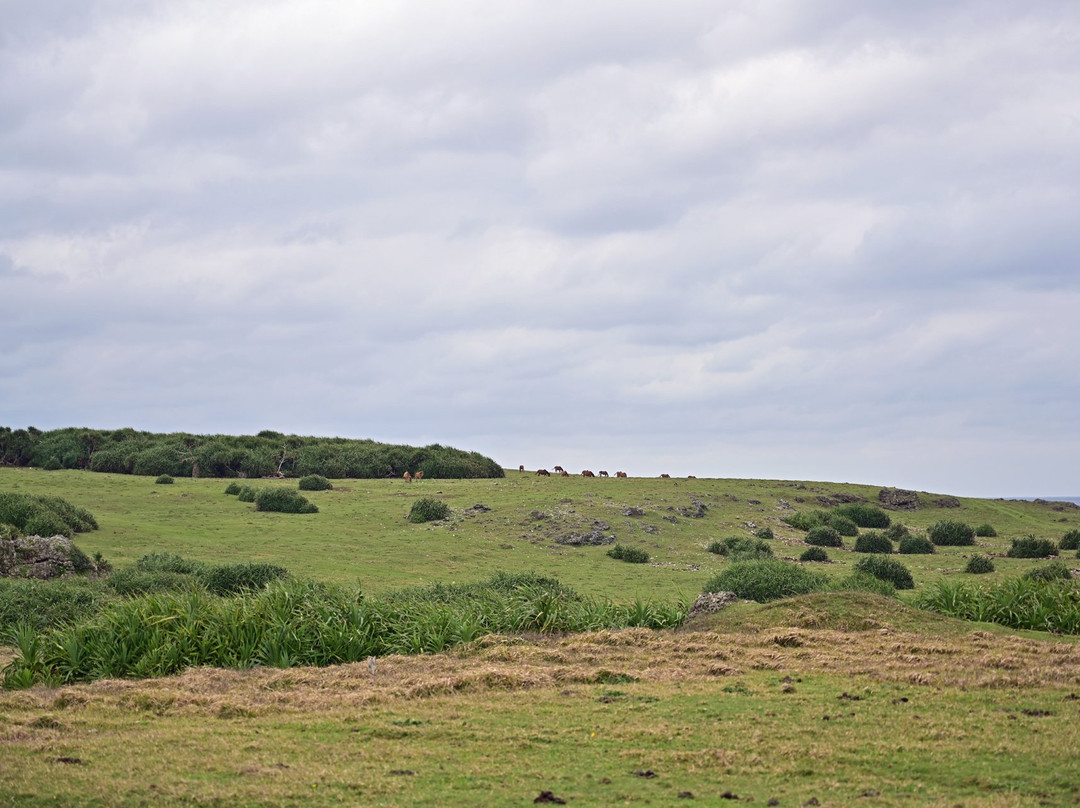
(283, 500)
(428, 509)
(765, 580)
(37, 515)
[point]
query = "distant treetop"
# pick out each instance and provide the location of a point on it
(267, 454)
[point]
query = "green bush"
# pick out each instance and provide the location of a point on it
(801, 520)
(765, 580)
(765, 533)
(886, 569)
(428, 509)
(843, 525)
(979, 565)
(228, 579)
(947, 533)
(863, 515)
(824, 536)
(133, 581)
(1054, 571)
(169, 562)
(283, 500)
(1031, 547)
(863, 582)
(164, 479)
(246, 494)
(8, 532)
(985, 531)
(634, 555)
(53, 464)
(1070, 541)
(233, 488)
(1022, 603)
(741, 548)
(873, 542)
(41, 515)
(897, 531)
(44, 604)
(814, 554)
(916, 545)
(46, 523)
(315, 482)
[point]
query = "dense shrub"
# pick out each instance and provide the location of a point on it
(873, 541)
(53, 464)
(1054, 571)
(44, 515)
(634, 555)
(916, 545)
(824, 536)
(863, 515)
(979, 565)
(863, 582)
(843, 525)
(985, 531)
(765, 533)
(947, 533)
(1070, 541)
(227, 579)
(1022, 603)
(1031, 547)
(802, 520)
(133, 581)
(164, 479)
(233, 488)
(765, 580)
(886, 569)
(315, 482)
(428, 509)
(741, 548)
(283, 500)
(43, 604)
(897, 531)
(246, 494)
(814, 554)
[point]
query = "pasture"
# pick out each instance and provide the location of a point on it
(824, 699)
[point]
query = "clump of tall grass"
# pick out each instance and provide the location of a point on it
(39, 515)
(916, 545)
(428, 509)
(886, 569)
(164, 479)
(1021, 603)
(1054, 571)
(949, 533)
(814, 554)
(43, 604)
(979, 564)
(985, 531)
(765, 533)
(1031, 547)
(233, 488)
(873, 541)
(283, 500)
(633, 555)
(863, 514)
(740, 548)
(764, 580)
(824, 536)
(290, 622)
(245, 494)
(315, 482)
(1070, 541)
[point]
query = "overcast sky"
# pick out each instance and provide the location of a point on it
(829, 240)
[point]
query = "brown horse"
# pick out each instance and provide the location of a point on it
(407, 477)
(665, 476)
(419, 475)
(601, 474)
(543, 473)
(587, 473)
(521, 468)
(564, 473)
(620, 473)
(559, 469)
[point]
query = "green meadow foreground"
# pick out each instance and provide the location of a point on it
(830, 698)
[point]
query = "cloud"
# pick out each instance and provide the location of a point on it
(790, 239)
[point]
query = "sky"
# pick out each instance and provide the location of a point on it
(821, 240)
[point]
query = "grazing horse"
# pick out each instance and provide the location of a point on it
(521, 468)
(419, 475)
(620, 473)
(665, 476)
(564, 473)
(407, 477)
(543, 473)
(691, 477)
(559, 469)
(601, 474)
(587, 473)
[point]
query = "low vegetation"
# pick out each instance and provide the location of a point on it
(915, 545)
(1070, 541)
(950, 533)
(824, 536)
(164, 479)
(814, 554)
(1021, 602)
(632, 555)
(864, 515)
(741, 548)
(428, 509)
(985, 531)
(765, 580)
(873, 541)
(38, 515)
(315, 482)
(979, 564)
(886, 569)
(1031, 547)
(283, 500)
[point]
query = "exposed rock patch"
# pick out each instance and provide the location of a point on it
(897, 499)
(44, 558)
(711, 602)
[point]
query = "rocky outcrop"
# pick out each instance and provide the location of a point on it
(897, 499)
(711, 602)
(37, 557)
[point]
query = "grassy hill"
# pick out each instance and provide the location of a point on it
(828, 698)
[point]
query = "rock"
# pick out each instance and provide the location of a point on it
(37, 557)
(651, 529)
(592, 539)
(711, 602)
(632, 510)
(898, 499)
(697, 510)
(947, 502)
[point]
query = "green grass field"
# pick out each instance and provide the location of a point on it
(825, 699)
